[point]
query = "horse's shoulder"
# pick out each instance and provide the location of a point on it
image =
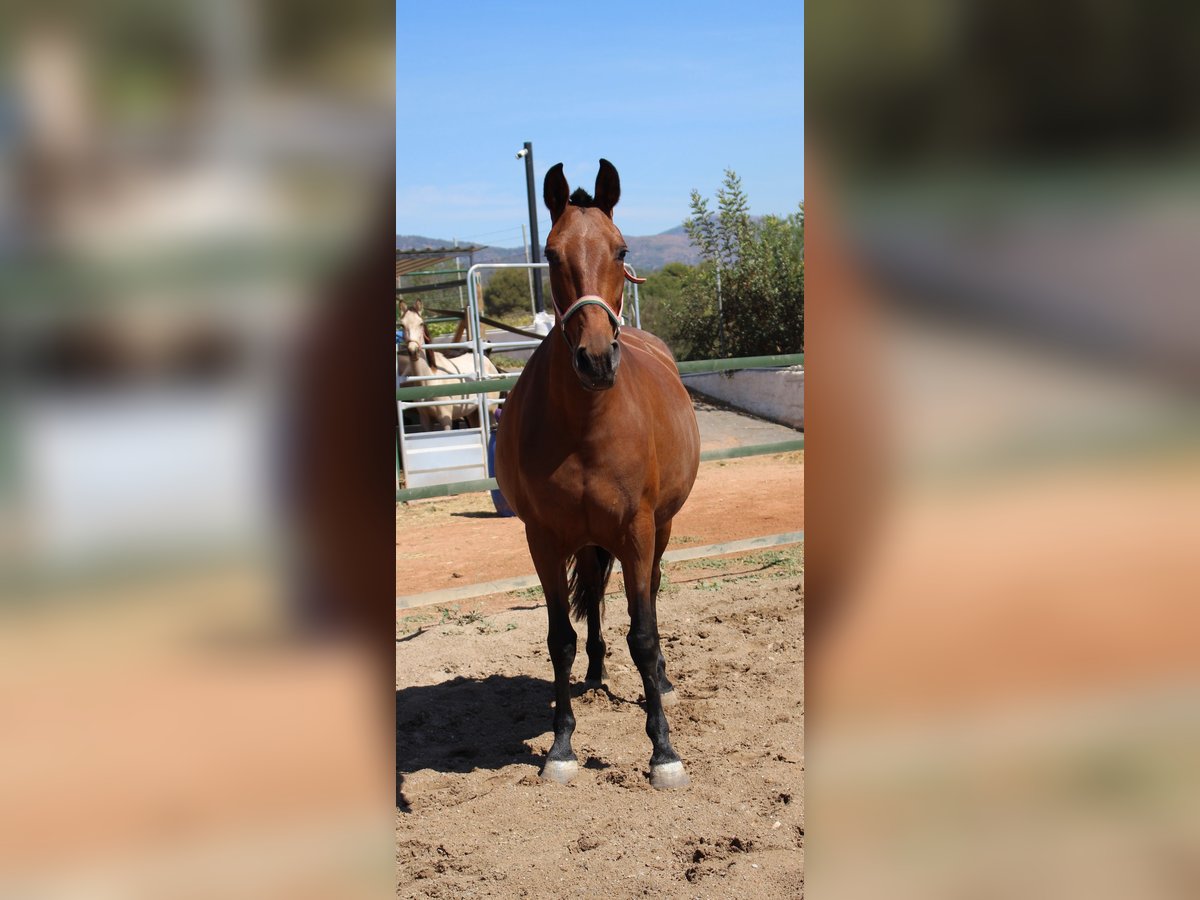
(648, 341)
(654, 355)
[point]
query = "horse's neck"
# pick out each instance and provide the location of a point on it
(573, 406)
(421, 366)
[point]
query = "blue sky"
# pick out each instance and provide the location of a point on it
(671, 93)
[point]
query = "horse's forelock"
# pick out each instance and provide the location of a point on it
(582, 198)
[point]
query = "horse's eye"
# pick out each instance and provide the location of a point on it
(551, 255)
(621, 253)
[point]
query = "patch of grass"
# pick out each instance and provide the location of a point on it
(510, 626)
(474, 617)
(407, 625)
(508, 364)
(419, 510)
(519, 318)
(533, 593)
(664, 585)
(781, 560)
(684, 539)
(437, 329)
(715, 562)
(774, 562)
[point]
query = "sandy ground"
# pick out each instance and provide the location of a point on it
(474, 704)
(461, 540)
(473, 716)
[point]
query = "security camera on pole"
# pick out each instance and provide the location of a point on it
(542, 321)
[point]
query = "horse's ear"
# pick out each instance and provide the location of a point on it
(555, 192)
(418, 307)
(608, 187)
(403, 309)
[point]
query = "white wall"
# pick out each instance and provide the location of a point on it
(774, 394)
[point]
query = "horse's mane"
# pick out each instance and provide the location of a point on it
(582, 198)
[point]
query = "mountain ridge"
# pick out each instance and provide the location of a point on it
(647, 253)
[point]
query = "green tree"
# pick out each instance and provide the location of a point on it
(747, 296)
(506, 295)
(662, 293)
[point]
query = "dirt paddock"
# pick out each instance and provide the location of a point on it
(473, 723)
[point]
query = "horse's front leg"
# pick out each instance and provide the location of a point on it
(551, 565)
(638, 562)
(661, 538)
(438, 416)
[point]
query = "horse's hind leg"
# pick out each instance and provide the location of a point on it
(597, 672)
(561, 764)
(666, 768)
(592, 568)
(661, 538)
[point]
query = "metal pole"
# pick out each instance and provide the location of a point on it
(525, 243)
(458, 265)
(538, 303)
(720, 316)
(485, 424)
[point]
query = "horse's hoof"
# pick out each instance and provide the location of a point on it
(669, 776)
(560, 771)
(670, 698)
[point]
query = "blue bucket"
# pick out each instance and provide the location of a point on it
(498, 500)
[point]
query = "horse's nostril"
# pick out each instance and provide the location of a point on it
(581, 359)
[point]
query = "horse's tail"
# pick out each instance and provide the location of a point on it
(590, 570)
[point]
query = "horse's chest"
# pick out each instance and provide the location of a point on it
(600, 500)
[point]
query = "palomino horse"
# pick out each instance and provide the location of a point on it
(598, 452)
(420, 358)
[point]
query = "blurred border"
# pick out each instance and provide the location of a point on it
(1003, 639)
(196, 466)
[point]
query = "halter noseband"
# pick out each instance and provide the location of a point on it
(593, 300)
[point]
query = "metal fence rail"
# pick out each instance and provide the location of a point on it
(697, 366)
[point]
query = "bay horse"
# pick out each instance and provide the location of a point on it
(598, 451)
(420, 358)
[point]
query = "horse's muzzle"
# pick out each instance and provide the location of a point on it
(597, 372)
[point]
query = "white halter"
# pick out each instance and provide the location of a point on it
(593, 300)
